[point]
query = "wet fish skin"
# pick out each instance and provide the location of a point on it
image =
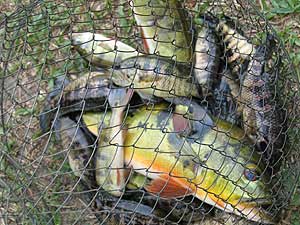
(80, 150)
(100, 50)
(263, 118)
(207, 57)
(153, 76)
(87, 93)
(165, 28)
(225, 99)
(110, 171)
(78, 145)
(238, 44)
(140, 208)
(238, 48)
(124, 210)
(166, 156)
(116, 211)
(267, 126)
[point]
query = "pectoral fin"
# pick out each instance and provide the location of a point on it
(168, 187)
(180, 123)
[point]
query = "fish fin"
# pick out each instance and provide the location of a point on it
(145, 43)
(218, 201)
(168, 187)
(180, 123)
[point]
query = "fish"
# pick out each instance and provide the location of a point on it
(78, 146)
(155, 77)
(207, 58)
(113, 210)
(215, 163)
(238, 47)
(110, 174)
(166, 28)
(154, 210)
(100, 50)
(263, 118)
(224, 105)
(89, 92)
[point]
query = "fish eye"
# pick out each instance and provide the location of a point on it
(251, 173)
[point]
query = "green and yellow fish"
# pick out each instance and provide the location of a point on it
(100, 50)
(110, 156)
(164, 28)
(153, 76)
(214, 162)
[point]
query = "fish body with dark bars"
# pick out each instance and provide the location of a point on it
(146, 112)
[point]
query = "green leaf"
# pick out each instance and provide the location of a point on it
(284, 4)
(296, 199)
(23, 112)
(51, 83)
(275, 4)
(295, 218)
(203, 7)
(264, 4)
(270, 15)
(297, 8)
(291, 3)
(282, 11)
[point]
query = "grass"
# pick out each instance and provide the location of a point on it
(45, 59)
(285, 16)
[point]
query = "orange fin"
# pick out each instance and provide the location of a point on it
(217, 200)
(168, 187)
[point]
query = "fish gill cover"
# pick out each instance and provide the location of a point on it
(146, 112)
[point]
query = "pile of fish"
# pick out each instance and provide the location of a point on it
(188, 123)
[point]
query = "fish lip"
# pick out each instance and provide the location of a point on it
(257, 210)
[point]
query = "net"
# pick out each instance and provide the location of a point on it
(146, 112)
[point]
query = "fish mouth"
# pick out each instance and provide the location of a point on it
(256, 210)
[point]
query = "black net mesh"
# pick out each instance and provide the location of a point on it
(146, 112)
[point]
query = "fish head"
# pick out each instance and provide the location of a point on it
(232, 177)
(249, 192)
(229, 172)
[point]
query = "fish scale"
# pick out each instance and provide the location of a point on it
(77, 142)
(263, 120)
(155, 76)
(267, 119)
(100, 50)
(89, 92)
(207, 57)
(165, 28)
(154, 153)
